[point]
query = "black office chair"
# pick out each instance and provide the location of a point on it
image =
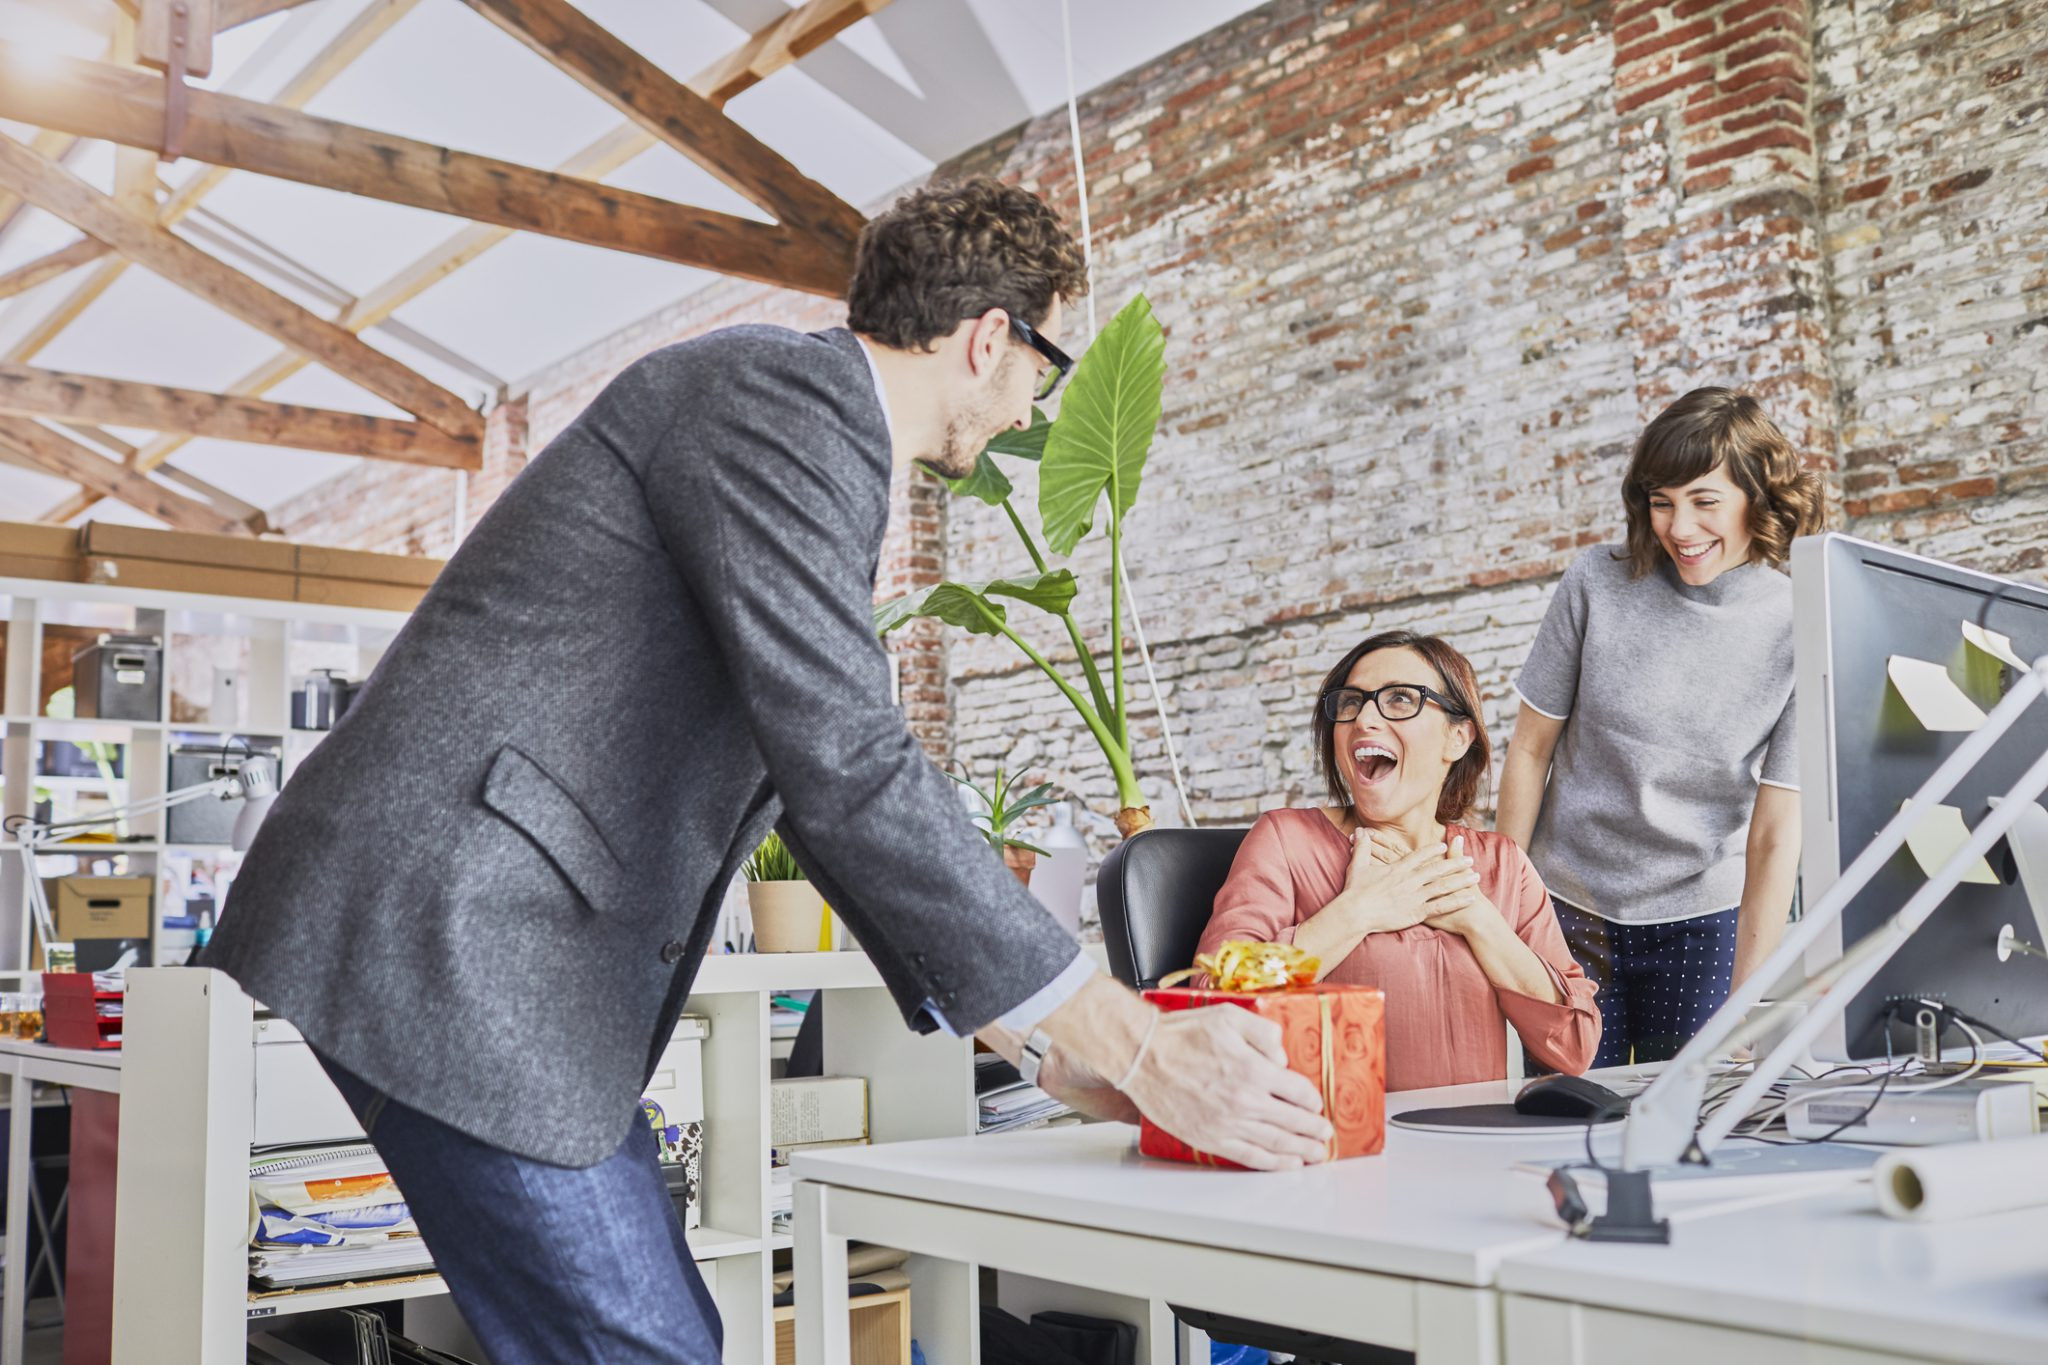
(1155, 892)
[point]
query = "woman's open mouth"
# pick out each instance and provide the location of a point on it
(1371, 764)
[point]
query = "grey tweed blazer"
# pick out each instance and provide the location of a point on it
(487, 891)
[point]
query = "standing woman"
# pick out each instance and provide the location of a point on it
(1653, 774)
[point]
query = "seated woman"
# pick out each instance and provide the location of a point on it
(1387, 890)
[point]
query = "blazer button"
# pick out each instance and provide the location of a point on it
(672, 952)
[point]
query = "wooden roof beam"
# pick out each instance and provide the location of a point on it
(66, 458)
(94, 99)
(43, 269)
(28, 392)
(676, 114)
(761, 56)
(55, 190)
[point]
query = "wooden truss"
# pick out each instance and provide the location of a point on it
(809, 245)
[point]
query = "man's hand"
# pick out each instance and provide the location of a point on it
(1215, 1078)
(1081, 1090)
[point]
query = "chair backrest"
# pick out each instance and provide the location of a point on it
(1155, 892)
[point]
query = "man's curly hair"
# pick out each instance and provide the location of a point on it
(950, 252)
(1713, 428)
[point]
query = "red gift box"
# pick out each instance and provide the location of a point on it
(1335, 1035)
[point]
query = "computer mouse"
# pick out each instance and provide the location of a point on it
(1568, 1097)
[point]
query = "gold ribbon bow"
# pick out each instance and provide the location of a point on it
(1242, 965)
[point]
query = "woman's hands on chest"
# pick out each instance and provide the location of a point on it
(1388, 888)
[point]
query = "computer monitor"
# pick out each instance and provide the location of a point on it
(1863, 752)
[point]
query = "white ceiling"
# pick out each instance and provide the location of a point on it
(876, 108)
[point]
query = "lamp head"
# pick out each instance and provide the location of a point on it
(257, 783)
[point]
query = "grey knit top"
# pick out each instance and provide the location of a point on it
(1677, 702)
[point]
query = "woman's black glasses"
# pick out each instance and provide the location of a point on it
(1396, 701)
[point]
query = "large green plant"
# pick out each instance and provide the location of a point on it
(1094, 451)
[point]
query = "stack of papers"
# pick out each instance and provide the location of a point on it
(1006, 1102)
(325, 1213)
(1017, 1106)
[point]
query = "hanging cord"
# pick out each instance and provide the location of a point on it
(1088, 257)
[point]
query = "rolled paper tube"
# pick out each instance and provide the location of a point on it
(1963, 1179)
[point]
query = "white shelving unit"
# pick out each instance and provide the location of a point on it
(193, 1094)
(274, 645)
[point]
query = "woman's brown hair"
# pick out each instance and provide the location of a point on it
(1454, 671)
(1711, 429)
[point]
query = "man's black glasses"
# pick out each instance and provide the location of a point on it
(1059, 361)
(1396, 701)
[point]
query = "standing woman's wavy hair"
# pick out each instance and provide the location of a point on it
(1709, 429)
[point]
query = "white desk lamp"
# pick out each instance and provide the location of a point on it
(1663, 1125)
(254, 782)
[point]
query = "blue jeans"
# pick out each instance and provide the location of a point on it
(548, 1263)
(1659, 983)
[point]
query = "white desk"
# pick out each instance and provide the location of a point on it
(1825, 1280)
(1401, 1250)
(26, 1063)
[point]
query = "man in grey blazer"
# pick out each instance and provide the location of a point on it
(483, 897)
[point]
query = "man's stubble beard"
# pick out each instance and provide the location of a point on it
(970, 429)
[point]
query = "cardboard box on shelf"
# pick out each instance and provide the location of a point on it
(29, 550)
(324, 561)
(104, 539)
(100, 907)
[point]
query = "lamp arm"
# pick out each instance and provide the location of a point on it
(1663, 1123)
(1862, 962)
(220, 787)
(36, 838)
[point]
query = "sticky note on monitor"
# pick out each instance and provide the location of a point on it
(1932, 694)
(1997, 646)
(1938, 838)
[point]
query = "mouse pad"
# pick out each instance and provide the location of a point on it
(1489, 1118)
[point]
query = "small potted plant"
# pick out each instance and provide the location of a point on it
(786, 909)
(1000, 808)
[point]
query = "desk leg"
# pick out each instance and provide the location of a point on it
(823, 1332)
(14, 1288)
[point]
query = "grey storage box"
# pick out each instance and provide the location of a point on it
(121, 677)
(204, 822)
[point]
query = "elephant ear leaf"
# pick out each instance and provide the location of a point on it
(969, 605)
(1105, 428)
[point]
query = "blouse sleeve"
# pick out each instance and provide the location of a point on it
(1257, 899)
(1566, 1035)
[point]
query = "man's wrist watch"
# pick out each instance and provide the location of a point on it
(1033, 1056)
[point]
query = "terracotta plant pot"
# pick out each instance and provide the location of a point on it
(1020, 861)
(786, 916)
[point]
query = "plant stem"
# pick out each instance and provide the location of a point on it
(1081, 650)
(1115, 754)
(1116, 618)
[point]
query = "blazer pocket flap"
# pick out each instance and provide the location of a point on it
(542, 809)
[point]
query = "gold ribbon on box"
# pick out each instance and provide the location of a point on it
(1243, 967)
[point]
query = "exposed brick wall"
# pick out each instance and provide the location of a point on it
(1934, 146)
(1425, 268)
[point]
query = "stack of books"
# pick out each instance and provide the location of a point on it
(327, 1212)
(809, 1113)
(1006, 1103)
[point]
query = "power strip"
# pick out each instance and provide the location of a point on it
(1976, 1110)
